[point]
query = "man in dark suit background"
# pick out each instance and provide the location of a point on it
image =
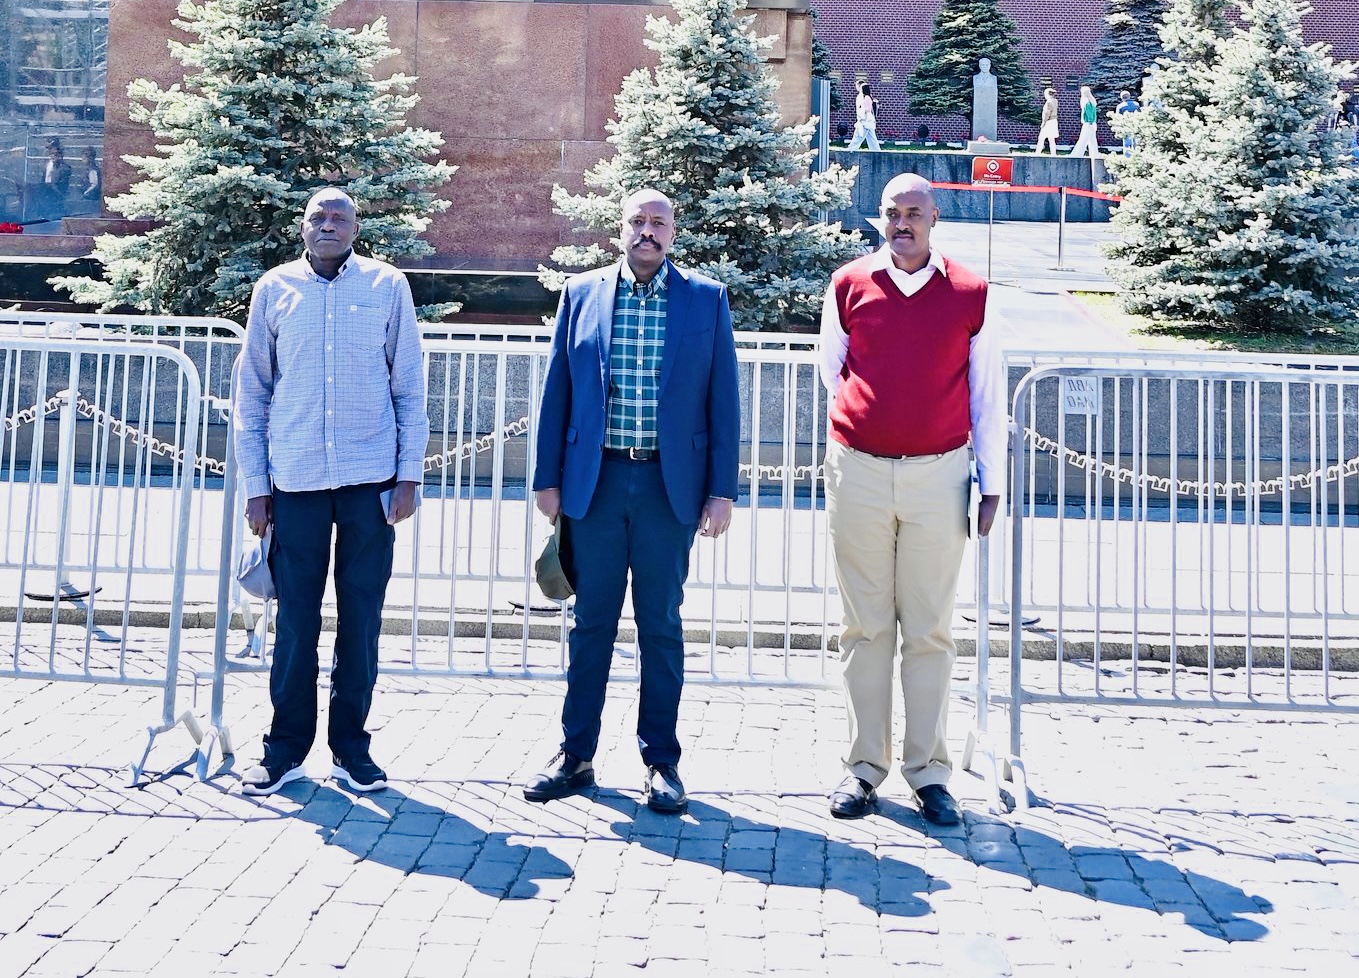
(637, 451)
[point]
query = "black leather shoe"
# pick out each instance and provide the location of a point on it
(938, 806)
(854, 798)
(664, 791)
(565, 775)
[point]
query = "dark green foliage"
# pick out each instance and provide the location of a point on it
(965, 31)
(1130, 45)
(275, 104)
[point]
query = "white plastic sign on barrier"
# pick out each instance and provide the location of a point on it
(1080, 395)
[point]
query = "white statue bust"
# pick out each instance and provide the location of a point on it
(984, 99)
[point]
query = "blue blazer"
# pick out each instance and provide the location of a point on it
(698, 412)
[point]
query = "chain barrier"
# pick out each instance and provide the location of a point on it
(467, 449)
(215, 466)
(434, 463)
(30, 414)
(139, 438)
(1189, 487)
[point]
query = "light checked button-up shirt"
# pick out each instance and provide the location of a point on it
(635, 349)
(331, 390)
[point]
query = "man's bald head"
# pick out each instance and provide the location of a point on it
(329, 225)
(646, 195)
(908, 214)
(647, 231)
(333, 196)
(906, 183)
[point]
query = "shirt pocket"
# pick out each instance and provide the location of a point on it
(362, 325)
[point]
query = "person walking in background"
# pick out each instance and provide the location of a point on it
(90, 168)
(912, 370)
(1048, 132)
(329, 418)
(637, 450)
(865, 120)
(1089, 141)
(56, 181)
(1127, 105)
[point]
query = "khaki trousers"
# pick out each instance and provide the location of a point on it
(897, 531)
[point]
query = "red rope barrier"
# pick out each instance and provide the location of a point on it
(999, 190)
(1074, 191)
(1093, 194)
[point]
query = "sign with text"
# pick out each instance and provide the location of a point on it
(1080, 395)
(992, 171)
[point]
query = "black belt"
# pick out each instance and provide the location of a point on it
(902, 458)
(633, 454)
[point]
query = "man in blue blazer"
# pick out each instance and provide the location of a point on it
(637, 451)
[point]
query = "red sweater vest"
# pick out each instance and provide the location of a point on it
(904, 387)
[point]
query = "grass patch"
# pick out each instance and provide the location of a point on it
(1147, 333)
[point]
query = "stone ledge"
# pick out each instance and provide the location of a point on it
(46, 245)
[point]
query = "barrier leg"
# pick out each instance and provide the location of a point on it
(191, 724)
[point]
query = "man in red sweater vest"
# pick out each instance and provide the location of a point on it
(912, 374)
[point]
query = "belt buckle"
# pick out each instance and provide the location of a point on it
(638, 454)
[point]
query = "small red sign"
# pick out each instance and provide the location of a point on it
(992, 171)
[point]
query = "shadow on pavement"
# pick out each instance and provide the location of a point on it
(775, 854)
(392, 829)
(1102, 874)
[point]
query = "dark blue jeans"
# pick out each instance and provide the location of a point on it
(628, 527)
(299, 561)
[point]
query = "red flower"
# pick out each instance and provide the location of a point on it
(9, 228)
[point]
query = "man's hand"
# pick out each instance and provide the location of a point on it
(549, 503)
(259, 513)
(716, 517)
(403, 502)
(986, 514)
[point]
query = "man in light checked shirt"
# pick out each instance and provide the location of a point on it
(329, 415)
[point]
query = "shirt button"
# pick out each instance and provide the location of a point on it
(330, 315)
(330, 380)
(329, 347)
(329, 411)
(330, 444)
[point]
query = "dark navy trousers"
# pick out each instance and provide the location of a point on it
(628, 527)
(299, 560)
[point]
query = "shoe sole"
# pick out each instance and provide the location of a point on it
(342, 776)
(869, 809)
(296, 774)
(666, 808)
(576, 784)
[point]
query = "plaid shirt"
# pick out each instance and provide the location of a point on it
(635, 359)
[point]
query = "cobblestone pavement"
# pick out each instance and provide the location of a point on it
(1162, 844)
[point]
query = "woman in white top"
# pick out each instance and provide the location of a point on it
(1089, 141)
(1048, 132)
(865, 120)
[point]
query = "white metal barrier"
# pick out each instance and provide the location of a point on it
(1187, 529)
(95, 522)
(212, 346)
(761, 604)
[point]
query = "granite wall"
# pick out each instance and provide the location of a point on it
(521, 91)
(946, 166)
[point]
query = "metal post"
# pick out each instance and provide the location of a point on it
(821, 88)
(65, 478)
(1061, 229)
(983, 633)
(821, 109)
(990, 227)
